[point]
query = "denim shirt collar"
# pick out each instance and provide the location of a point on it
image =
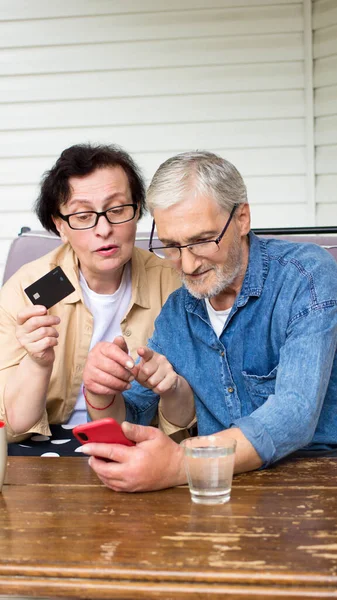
(256, 273)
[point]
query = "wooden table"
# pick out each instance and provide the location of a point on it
(62, 534)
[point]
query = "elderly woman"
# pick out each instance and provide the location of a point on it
(92, 198)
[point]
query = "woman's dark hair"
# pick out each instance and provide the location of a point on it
(78, 161)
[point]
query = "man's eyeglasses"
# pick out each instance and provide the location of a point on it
(89, 218)
(204, 248)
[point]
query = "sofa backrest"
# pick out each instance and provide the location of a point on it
(29, 245)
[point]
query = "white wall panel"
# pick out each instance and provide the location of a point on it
(326, 189)
(326, 161)
(263, 215)
(251, 161)
(276, 190)
(175, 137)
(276, 161)
(17, 198)
(223, 75)
(326, 71)
(327, 213)
(325, 100)
(324, 14)
(152, 25)
(122, 111)
(325, 84)
(326, 130)
(36, 9)
(9, 227)
(150, 82)
(246, 49)
(324, 39)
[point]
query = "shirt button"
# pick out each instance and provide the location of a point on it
(222, 354)
(128, 333)
(230, 390)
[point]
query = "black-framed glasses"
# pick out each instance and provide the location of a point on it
(89, 218)
(204, 248)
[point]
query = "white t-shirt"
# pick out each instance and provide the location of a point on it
(108, 311)
(218, 318)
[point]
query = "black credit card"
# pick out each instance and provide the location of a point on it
(50, 289)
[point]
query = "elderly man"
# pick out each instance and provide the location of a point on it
(251, 336)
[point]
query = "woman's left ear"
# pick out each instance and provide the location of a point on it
(60, 226)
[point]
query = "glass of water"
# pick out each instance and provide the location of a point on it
(209, 464)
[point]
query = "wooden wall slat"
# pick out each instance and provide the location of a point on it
(325, 73)
(325, 100)
(154, 25)
(35, 9)
(222, 50)
(122, 111)
(154, 82)
(324, 12)
(175, 137)
(251, 162)
(325, 41)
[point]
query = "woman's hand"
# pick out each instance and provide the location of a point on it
(36, 333)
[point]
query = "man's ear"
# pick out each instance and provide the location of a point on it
(242, 217)
(60, 226)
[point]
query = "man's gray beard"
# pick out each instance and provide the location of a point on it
(225, 274)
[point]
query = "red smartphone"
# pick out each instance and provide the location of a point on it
(104, 431)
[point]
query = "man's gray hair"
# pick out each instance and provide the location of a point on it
(205, 172)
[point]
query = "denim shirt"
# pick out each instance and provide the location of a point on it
(273, 371)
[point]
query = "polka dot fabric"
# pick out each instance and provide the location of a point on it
(60, 443)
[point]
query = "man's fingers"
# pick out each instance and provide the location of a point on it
(116, 479)
(168, 384)
(140, 433)
(145, 353)
(118, 453)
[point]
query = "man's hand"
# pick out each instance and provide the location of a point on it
(155, 372)
(109, 368)
(36, 333)
(155, 463)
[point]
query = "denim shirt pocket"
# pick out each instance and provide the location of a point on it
(260, 387)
